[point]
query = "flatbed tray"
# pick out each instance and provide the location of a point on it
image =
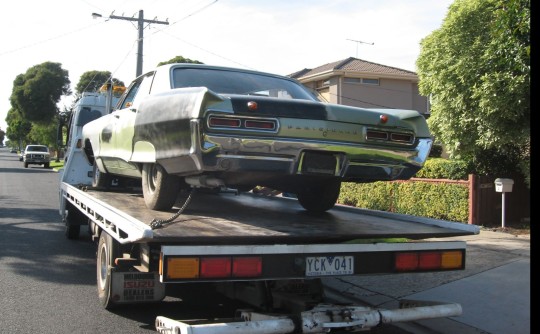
(246, 218)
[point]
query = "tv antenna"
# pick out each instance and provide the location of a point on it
(359, 42)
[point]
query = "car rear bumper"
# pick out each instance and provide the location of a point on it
(351, 162)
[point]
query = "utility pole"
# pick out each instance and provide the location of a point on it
(140, 27)
(358, 42)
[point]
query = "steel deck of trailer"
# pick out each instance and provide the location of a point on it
(246, 218)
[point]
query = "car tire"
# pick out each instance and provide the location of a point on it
(46, 165)
(160, 190)
(26, 165)
(99, 179)
(321, 197)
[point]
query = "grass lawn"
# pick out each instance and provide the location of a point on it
(56, 165)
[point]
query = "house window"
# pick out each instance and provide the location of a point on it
(365, 81)
(323, 83)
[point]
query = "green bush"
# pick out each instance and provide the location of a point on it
(439, 168)
(417, 198)
(446, 201)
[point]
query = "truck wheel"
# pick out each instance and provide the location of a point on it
(46, 165)
(108, 250)
(74, 220)
(99, 179)
(319, 198)
(160, 190)
(26, 165)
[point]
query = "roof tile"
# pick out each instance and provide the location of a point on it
(354, 65)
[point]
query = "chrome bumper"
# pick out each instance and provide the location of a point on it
(218, 153)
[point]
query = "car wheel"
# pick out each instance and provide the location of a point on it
(108, 250)
(99, 179)
(321, 197)
(160, 190)
(46, 165)
(26, 165)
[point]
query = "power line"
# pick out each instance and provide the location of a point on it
(140, 27)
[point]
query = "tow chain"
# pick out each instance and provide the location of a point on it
(158, 223)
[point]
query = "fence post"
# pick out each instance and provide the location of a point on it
(473, 197)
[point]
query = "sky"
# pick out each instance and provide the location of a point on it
(276, 36)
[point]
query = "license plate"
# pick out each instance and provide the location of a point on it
(319, 163)
(329, 265)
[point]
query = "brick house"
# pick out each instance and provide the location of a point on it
(359, 83)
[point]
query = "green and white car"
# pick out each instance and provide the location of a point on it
(192, 125)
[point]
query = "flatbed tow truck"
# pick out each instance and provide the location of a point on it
(266, 252)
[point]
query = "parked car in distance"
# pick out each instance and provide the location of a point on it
(36, 155)
(193, 125)
(13, 150)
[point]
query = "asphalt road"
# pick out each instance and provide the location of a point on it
(47, 282)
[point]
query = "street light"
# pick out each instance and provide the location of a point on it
(140, 27)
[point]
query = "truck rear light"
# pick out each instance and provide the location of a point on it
(406, 261)
(452, 260)
(182, 267)
(215, 267)
(247, 266)
(429, 260)
(424, 261)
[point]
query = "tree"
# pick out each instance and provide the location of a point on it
(2, 135)
(18, 128)
(179, 59)
(92, 81)
(476, 68)
(36, 92)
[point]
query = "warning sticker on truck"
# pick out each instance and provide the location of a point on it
(136, 287)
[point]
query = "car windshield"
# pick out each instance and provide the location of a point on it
(37, 149)
(242, 83)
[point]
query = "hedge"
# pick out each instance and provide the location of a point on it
(447, 201)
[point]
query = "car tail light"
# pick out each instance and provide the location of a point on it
(242, 123)
(263, 125)
(379, 135)
(224, 122)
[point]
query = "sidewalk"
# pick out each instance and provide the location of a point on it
(493, 291)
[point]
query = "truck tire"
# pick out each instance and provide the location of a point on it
(160, 190)
(99, 179)
(46, 165)
(108, 250)
(74, 220)
(321, 197)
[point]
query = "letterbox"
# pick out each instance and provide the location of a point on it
(504, 185)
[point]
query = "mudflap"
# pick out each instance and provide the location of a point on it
(136, 287)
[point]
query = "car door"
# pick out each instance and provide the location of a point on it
(124, 126)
